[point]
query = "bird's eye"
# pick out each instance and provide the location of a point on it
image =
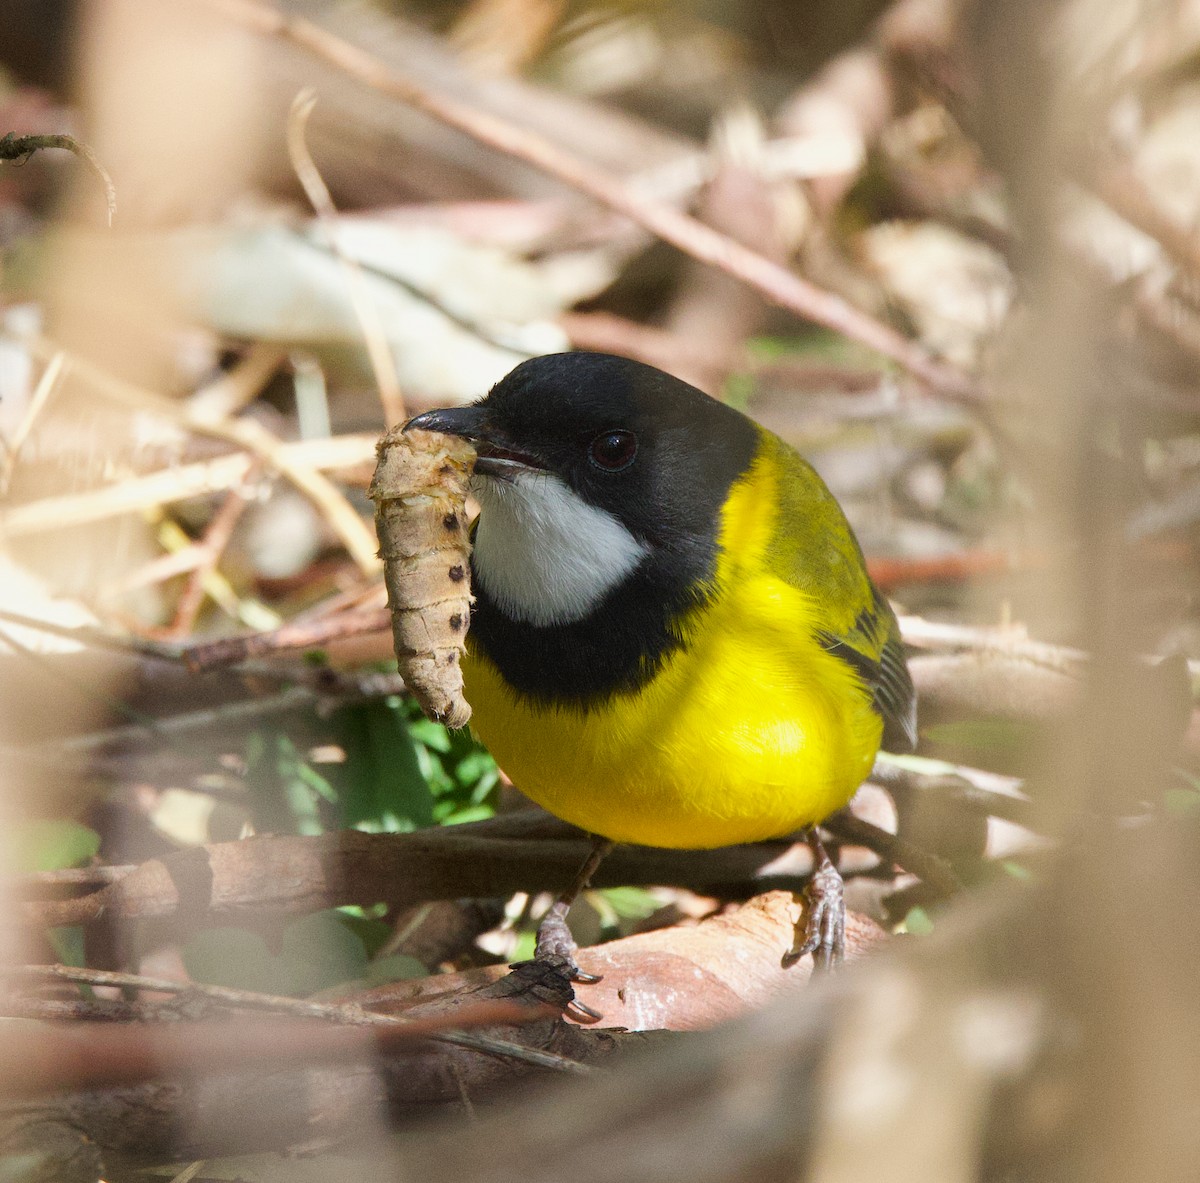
(613, 450)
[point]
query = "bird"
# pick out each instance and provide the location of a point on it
(674, 640)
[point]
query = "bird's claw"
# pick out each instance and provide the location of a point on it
(554, 956)
(556, 944)
(823, 932)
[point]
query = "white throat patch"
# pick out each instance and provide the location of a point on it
(542, 553)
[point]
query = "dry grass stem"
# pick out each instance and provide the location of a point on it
(378, 349)
(46, 386)
(211, 547)
(343, 519)
(179, 484)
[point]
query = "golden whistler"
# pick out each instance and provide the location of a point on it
(674, 640)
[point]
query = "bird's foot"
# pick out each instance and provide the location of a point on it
(554, 955)
(822, 929)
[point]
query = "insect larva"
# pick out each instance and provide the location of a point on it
(420, 493)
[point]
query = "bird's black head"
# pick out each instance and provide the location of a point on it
(600, 483)
(650, 450)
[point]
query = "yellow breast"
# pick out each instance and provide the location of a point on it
(749, 731)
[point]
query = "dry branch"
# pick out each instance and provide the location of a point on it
(378, 350)
(209, 548)
(682, 978)
(686, 977)
(17, 149)
(780, 1095)
(345, 1013)
(306, 635)
(87, 1055)
(1116, 183)
(604, 332)
(290, 876)
(191, 1113)
(932, 870)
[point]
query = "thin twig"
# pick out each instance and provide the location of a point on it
(358, 538)
(961, 785)
(158, 730)
(1008, 640)
(606, 333)
(1114, 181)
(382, 363)
(322, 679)
(774, 282)
(1011, 640)
(189, 1172)
(319, 686)
(158, 570)
(211, 547)
(180, 484)
(309, 635)
(225, 396)
(958, 566)
(346, 1013)
(928, 867)
(37, 402)
(18, 148)
(85, 1010)
(100, 638)
(464, 1095)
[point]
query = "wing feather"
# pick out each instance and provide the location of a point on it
(872, 647)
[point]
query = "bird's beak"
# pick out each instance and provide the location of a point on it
(497, 455)
(467, 422)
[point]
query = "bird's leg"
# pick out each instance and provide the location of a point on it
(553, 961)
(823, 933)
(554, 940)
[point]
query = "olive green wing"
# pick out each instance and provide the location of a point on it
(814, 549)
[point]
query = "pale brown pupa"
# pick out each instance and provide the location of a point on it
(420, 493)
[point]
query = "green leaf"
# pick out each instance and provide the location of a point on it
(630, 903)
(50, 844)
(233, 957)
(1181, 802)
(384, 788)
(524, 946)
(372, 931)
(398, 967)
(315, 781)
(319, 951)
(287, 795)
(315, 953)
(67, 944)
(432, 735)
(918, 922)
(448, 814)
(989, 735)
(1017, 870)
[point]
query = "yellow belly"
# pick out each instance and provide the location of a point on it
(750, 732)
